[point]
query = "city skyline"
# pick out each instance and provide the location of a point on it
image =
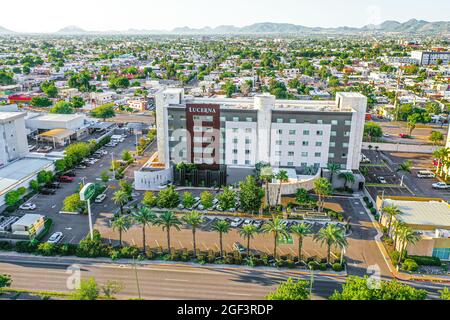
(114, 15)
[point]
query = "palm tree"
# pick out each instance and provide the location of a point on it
(323, 189)
(121, 224)
(282, 177)
(144, 217)
(407, 236)
(222, 227)
(333, 168)
(194, 219)
(277, 229)
(248, 232)
(397, 228)
(405, 167)
(331, 235)
(301, 230)
(441, 155)
(121, 198)
(348, 177)
(391, 211)
(267, 176)
(167, 221)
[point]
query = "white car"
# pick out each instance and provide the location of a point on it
(382, 180)
(236, 222)
(441, 186)
(28, 206)
(55, 238)
(100, 198)
(248, 222)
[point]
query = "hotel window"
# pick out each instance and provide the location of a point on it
(278, 142)
(319, 133)
(292, 143)
(248, 130)
(248, 141)
(235, 140)
(293, 121)
(290, 164)
(306, 132)
(347, 134)
(292, 132)
(333, 133)
(170, 117)
(235, 130)
(235, 162)
(318, 154)
(304, 164)
(304, 154)
(291, 153)
(332, 144)
(331, 155)
(223, 119)
(345, 145)
(279, 131)
(279, 120)
(318, 144)
(348, 123)
(249, 119)
(278, 153)
(307, 121)
(247, 162)
(235, 151)
(334, 122)
(305, 143)
(182, 118)
(236, 119)
(247, 151)
(277, 163)
(319, 121)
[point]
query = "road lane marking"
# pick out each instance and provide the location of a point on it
(176, 280)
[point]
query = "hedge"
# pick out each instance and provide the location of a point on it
(426, 261)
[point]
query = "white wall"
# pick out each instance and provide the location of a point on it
(151, 180)
(241, 135)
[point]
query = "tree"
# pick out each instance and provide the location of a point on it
(49, 88)
(103, 112)
(121, 224)
(60, 165)
(266, 175)
(62, 107)
(301, 230)
(5, 281)
(331, 235)
(206, 199)
(250, 195)
(77, 102)
(277, 229)
(167, 221)
(407, 236)
(81, 82)
(188, 200)
(120, 198)
(357, 288)
(248, 232)
(222, 227)
(105, 177)
(227, 199)
(436, 137)
(405, 167)
(194, 219)
(412, 123)
(41, 102)
(333, 168)
(88, 290)
(119, 82)
(144, 217)
(73, 203)
(111, 288)
(168, 198)
(391, 211)
(291, 290)
(229, 88)
(349, 179)
(323, 189)
(445, 294)
(372, 130)
(150, 200)
(126, 156)
(282, 177)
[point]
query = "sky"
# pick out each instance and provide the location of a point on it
(103, 15)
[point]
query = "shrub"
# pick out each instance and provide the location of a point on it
(373, 211)
(68, 249)
(5, 246)
(410, 265)
(47, 249)
(313, 265)
(366, 199)
(26, 247)
(426, 261)
(395, 255)
(338, 267)
(323, 267)
(129, 252)
(369, 205)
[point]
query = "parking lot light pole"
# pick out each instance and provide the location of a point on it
(113, 167)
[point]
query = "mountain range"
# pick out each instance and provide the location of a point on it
(412, 26)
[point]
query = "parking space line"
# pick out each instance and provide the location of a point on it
(157, 243)
(267, 249)
(181, 245)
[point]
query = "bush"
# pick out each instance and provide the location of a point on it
(26, 247)
(369, 205)
(373, 211)
(366, 199)
(323, 267)
(47, 249)
(313, 265)
(68, 249)
(338, 267)
(426, 261)
(129, 252)
(395, 255)
(5, 246)
(410, 265)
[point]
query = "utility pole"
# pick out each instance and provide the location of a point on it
(137, 279)
(396, 104)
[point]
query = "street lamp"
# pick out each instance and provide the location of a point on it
(113, 166)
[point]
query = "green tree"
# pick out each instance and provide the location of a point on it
(5, 281)
(251, 195)
(49, 88)
(357, 288)
(229, 88)
(62, 107)
(405, 167)
(227, 199)
(391, 211)
(334, 169)
(282, 177)
(277, 229)
(144, 217)
(77, 102)
(167, 221)
(291, 290)
(41, 102)
(81, 82)
(88, 290)
(126, 156)
(188, 200)
(168, 198)
(73, 203)
(105, 177)
(349, 179)
(150, 200)
(103, 112)
(323, 189)
(248, 232)
(194, 219)
(302, 231)
(222, 227)
(206, 199)
(445, 294)
(111, 288)
(331, 235)
(266, 176)
(372, 130)
(407, 236)
(121, 198)
(436, 137)
(121, 224)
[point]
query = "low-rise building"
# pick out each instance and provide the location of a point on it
(29, 226)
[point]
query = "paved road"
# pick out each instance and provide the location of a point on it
(163, 282)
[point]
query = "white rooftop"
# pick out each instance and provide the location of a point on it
(58, 117)
(9, 116)
(28, 220)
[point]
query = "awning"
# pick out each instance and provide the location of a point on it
(57, 134)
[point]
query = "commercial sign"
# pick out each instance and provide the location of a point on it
(88, 192)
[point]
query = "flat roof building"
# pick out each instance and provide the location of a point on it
(13, 138)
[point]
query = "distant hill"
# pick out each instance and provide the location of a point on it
(72, 30)
(5, 31)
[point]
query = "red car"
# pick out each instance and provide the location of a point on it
(66, 179)
(403, 135)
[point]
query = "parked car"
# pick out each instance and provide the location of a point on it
(31, 148)
(54, 185)
(180, 206)
(47, 192)
(258, 223)
(111, 145)
(441, 186)
(382, 180)
(55, 238)
(28, 206)
(247, 222)
(81, 167)
(66, 179)
(237, 222)
(403, 136)
(364, 159)
(426, 175)
(100, 198)
(70, 173)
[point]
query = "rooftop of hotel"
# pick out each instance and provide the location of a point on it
(9, 116)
